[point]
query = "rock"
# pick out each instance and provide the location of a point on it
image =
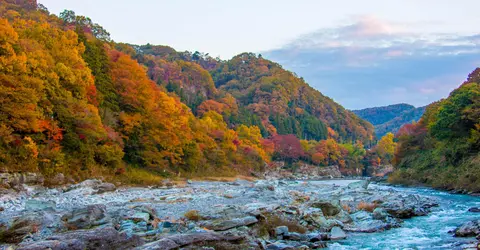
(468, 229)
(140, 216)
(87, 217)
(474, 210)
(18, 179)
(223, 225)
(58, 179)
(37, 205)
(19, 228)
(328, 208)
(295, 236)
(105, 187)
(316, 237)
(367, 226)
(2, 209)
(281, 230)
(315, 217)
(182, 240)
(379, 213)
(280, 246)
(337, 234)
(359, 185)
(100, 238)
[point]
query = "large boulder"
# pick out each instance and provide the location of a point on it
(221, 225)
(182, 240)
(337, 234)
(86, 217)
(19, 228)
(100, 238)
(362, 185)
(329, 208)
(468, 229)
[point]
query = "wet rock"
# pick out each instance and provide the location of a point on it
(37, 205)
(474, 210)
(182, 240)
(100, 238)
(222, 225)
(19, 228)
(337, 234)
(379, 213)
(87, 217)
(468, 229)
(316, 237)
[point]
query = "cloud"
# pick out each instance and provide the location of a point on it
(367, 61)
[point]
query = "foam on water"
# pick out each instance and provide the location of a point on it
(427, 232)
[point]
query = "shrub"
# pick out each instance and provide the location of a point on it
(193, 215)
(369, 207)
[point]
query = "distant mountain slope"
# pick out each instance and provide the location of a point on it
(390, 118)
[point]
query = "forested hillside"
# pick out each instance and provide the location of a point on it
(442, 149)
(73, 101)
(390, 118)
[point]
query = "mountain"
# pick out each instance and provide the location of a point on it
(442, 149)
(73, 101)
(390, 118)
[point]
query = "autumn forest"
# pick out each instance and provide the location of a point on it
(73, 101)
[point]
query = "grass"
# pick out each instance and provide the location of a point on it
(365, 206)
(268, 224)
(193, 215)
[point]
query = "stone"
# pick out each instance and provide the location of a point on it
(281, 230)
(37, 205)
(58, 179)
(20, 227)
(379, 213)
(468, 229)
(87, 217)
(337, 234)
(328, 208)
(223, 225)
(140, 216)
(316, 237)
(474, 210)
(368, 226)
(295, 236)
(280, 246)
(105, 187)
(100, 238)
(181, 240)
(359, 185)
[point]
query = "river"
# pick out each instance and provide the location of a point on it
(425, 232)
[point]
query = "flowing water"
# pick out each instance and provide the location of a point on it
(426, 232)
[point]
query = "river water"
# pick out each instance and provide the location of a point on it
(426, 232)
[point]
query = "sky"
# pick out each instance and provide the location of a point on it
(360, 53)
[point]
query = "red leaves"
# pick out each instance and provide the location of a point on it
(288, 146)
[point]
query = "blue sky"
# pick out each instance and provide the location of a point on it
(361, 53)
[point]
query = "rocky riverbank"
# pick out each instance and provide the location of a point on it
(227, 215)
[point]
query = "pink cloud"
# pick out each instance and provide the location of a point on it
(395, 53)
(368, 26)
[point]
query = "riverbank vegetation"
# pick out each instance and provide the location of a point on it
(442, 149)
